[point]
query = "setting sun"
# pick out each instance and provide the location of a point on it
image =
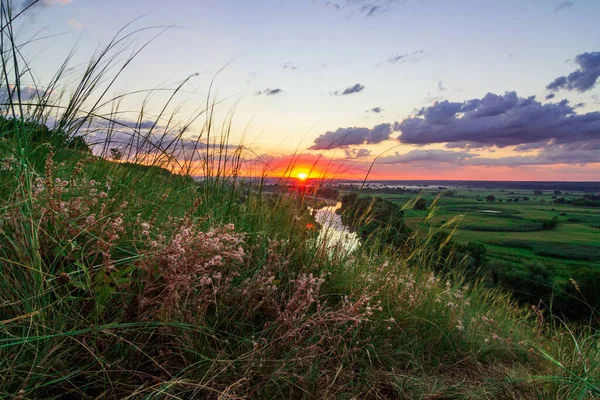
(302, 176)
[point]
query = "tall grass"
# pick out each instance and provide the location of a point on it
(121, 279)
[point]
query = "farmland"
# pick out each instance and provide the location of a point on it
(512, 231)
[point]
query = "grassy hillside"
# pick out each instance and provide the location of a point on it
(120, 280)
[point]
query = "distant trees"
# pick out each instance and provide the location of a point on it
(550, 224)
(327, 193)
(420, 204)
(586, 201)
(490, 198)
(537, 192)
(531, 283)
(374, 219)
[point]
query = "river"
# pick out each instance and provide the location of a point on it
(333, 231)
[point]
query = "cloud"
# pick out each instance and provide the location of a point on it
(289, 65)
(352, 89)
(444, 156)
(376, 110)
(44, 3)
(145, 124)
(344, 137)
(564, 5)
(27, 93)
(441, 87)
(333, 5)
(499, 120)
(76, 24)
(550, 96)
(549, 156)
(362, 153)
(138, 142)
(554, 155)
(368, 8)
(268, 92)
(582, 79)
(357, 153)
(407, 57)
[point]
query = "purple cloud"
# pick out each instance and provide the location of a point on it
(499, 120)
(350, 90)
(342, 138)
(582, 79)
(268, 92)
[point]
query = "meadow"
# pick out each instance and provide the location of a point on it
(512, 230)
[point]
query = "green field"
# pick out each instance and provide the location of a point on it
(512, 230)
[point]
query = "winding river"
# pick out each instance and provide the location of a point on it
(333, 231)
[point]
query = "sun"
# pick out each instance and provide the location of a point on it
(302, 176)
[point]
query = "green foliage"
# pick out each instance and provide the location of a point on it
(420, 204)
(550, 224)
(471, 258)
(567, 251)
(376, 220)
(12, 129)
(532, 282)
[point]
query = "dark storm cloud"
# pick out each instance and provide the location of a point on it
(564, 5)
(582, 79)
(352, 89)
(344, 137)
(499, 120)
(268, 92)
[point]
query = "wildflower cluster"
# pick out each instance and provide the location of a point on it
(189, 272)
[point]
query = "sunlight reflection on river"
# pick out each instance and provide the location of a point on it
(333, 231)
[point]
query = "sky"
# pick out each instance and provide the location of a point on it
(415, 89)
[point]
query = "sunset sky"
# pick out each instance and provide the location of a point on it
(438, 89)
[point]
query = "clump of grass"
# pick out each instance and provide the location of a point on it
(123, 280)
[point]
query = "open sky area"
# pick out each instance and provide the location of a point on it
(429, 89)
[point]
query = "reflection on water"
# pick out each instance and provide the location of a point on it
(333, 231)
